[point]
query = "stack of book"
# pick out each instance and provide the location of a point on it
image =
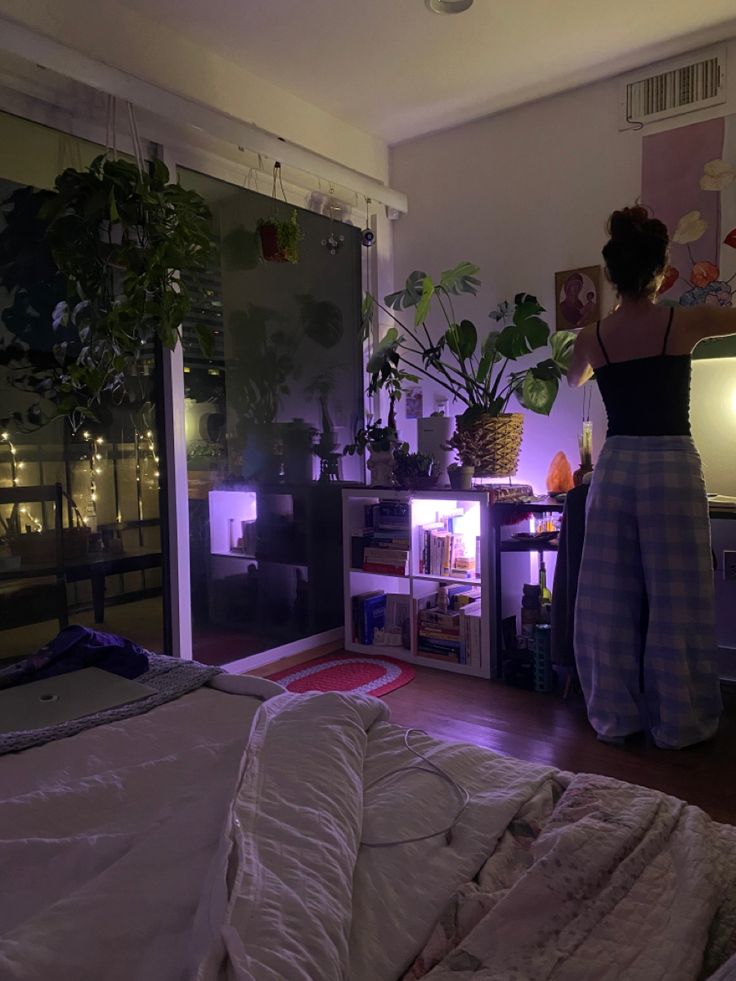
(455, 634)
(438, 635)
(389, 561)
(506, 493)
(385, 541)
(369, 615)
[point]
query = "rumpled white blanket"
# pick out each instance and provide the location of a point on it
(164, 849)
(623, 883)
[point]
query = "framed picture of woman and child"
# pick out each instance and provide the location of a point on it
(578, 297)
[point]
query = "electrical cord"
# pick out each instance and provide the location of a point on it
(434, 769)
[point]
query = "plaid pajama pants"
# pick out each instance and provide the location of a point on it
(645, 643)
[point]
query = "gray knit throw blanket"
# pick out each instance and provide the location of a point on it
(170, 676)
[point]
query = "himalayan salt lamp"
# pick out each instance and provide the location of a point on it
(559, 475)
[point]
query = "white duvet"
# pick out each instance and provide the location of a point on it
(195, 860)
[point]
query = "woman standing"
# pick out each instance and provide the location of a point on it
(644, 619)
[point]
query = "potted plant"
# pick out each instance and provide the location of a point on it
(478, 373)
(380, 441)
(414, 471)
(99, 268)
(280, 239)
(461, 475)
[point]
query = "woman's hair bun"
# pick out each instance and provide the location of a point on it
(635, 222)
(637, 250)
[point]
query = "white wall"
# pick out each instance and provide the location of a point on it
(524, 194)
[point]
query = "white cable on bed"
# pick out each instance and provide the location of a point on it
(436, 770)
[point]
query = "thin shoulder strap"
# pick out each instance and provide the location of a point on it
(598, 334)
(667, 332)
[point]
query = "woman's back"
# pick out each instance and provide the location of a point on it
(644, 383)
(639, 331)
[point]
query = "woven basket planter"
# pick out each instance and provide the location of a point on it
(493, 441)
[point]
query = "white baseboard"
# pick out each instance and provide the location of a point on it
(286, 650)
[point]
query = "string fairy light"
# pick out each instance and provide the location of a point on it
(94, 459)
(15, 464)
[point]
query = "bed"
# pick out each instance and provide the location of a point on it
(254, 834)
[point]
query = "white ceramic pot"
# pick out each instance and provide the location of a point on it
(381, 466)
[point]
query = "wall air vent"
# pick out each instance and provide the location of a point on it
(675, 87)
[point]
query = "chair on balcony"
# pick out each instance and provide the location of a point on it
(32, 581)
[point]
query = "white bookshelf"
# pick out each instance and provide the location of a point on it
(470, 511)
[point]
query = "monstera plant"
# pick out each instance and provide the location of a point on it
(481, 372)
(98, 269)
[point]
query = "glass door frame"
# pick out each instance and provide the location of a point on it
(174, 499)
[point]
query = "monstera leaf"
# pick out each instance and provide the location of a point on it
(321, 320)
(462, 339)
(461, 279)
(411, 293)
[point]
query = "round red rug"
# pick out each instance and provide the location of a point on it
(348, 673)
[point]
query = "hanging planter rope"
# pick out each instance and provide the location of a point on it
(279, 239)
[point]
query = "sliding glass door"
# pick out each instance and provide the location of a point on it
(267, 415)
(110, 470)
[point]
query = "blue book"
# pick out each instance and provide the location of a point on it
(372, 617)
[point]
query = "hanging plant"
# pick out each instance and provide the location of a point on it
(280, 239)
(98, 269)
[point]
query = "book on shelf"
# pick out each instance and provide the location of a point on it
(393, 556)
(395, 631)
(379, 549)
(383, 544)
(429, 648)
(464, 597)
(388, 561)
(436, 619)
(388, 516)
(382, 569)
(438, 633)
(388, 537)
(369, 614)
(470, 633)
(398, 609)
(442, 553)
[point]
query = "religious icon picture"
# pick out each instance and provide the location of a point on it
(578, 297)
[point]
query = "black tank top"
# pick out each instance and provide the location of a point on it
(646, 396)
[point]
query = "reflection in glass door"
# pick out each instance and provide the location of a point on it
(267, 416)
(110, 471)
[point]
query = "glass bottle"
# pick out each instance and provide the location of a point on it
(546, 595)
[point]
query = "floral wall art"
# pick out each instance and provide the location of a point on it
(689, 182)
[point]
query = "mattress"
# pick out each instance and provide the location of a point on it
(307, 838)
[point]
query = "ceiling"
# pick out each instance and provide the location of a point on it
(392, 68)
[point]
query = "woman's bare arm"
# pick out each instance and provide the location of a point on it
(709, 321)
(580, 370)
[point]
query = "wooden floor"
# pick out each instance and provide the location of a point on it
(546, 729)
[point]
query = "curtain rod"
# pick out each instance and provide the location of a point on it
(45, 51)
